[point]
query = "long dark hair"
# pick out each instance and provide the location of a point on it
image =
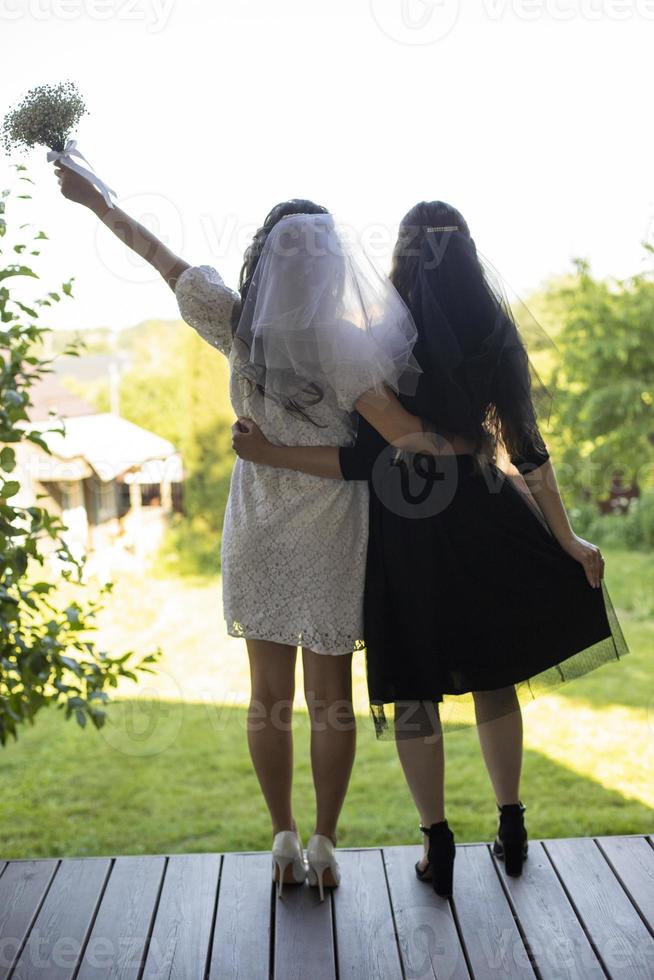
(297, 205)
(476, 380)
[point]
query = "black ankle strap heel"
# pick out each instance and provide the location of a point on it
(440, 858)
(511, 843)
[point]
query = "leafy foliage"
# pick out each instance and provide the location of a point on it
(633, 529)
(178, 388)
(603, 421)
(45, 655)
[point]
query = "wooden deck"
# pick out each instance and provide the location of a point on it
(583, 908)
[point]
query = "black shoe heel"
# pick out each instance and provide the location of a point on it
(511, 844)
(440, 859)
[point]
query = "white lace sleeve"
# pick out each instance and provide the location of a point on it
(351, 384)
(206, 304)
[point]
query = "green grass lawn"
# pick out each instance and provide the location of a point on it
(171, 772)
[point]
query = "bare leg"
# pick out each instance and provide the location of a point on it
(499, 725)
(328, 690)
(423, 762)
(270, 736)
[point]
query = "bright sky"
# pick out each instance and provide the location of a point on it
(533, 117)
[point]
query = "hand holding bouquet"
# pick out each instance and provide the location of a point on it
(46, 117)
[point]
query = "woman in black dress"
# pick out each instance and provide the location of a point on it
(477, 599)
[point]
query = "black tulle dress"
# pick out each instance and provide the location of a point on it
(466, 590)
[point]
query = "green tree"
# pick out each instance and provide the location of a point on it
(202, 378)
(603, 422)
(45, 655)
(179, 388)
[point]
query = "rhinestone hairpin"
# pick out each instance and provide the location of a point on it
(444, 228)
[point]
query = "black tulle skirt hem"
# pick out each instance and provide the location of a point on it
(450, 711)
(472, 595)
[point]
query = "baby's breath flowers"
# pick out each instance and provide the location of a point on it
(46, 116)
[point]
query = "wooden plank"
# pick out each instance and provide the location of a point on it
(366, 944)
(304, 941)
(570, 890)
(428, 938)
(243, 914)
(120, 932)
(633, 862)
(179, 946)
(488, 929)
(555, 938)
(63, 923)
(622, 941)
(22, 888)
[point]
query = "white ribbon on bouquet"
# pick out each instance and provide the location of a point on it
(66, 155)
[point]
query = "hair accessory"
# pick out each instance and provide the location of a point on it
(444, 228)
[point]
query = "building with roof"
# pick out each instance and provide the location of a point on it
(113, 484)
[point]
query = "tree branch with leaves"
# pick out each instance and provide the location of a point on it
(46, 657)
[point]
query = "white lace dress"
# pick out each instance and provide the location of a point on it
(294, 546)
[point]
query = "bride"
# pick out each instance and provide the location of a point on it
(312, 330)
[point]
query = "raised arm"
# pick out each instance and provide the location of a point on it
(204, 301)
(76, 188)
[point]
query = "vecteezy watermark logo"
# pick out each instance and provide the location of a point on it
(153, 14)
(414, 486)
(563, 11)
(416, 22)
(142, 727)
(425, 948)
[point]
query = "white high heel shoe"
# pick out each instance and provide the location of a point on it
(323, 867)
(288, 864)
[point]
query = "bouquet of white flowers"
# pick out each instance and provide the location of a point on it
(46, 117)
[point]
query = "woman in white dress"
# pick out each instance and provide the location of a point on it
(294, 546)
(308, 334)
